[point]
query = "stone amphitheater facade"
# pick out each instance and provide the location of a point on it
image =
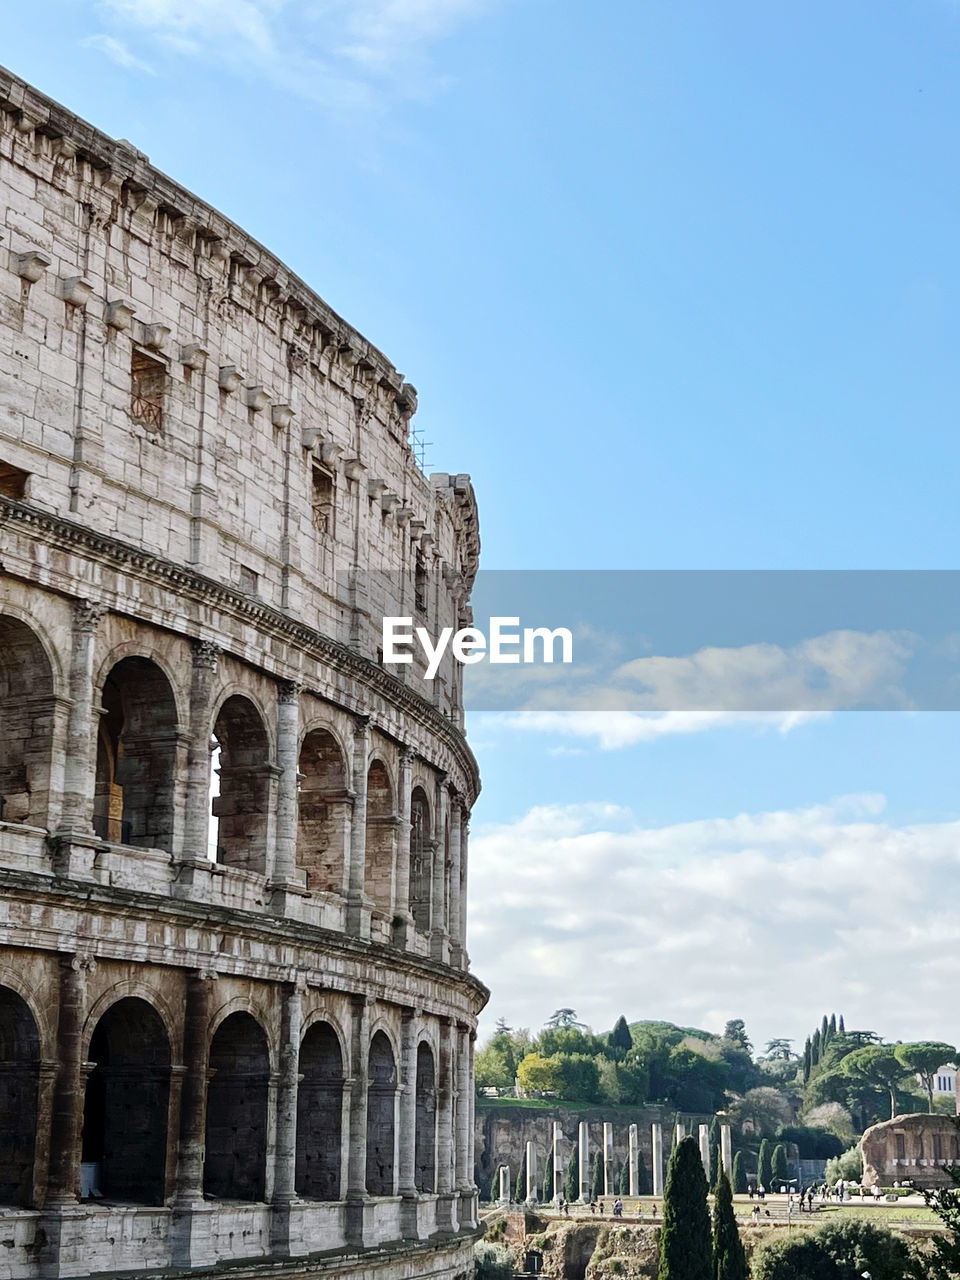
(236, 1015)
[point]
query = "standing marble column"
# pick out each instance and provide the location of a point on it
(196, 821)
(63, 1182)
(704, 1136)
(403, 920)
(679, 1133)
(532, 1196)
(358, 909)
(726, 1150)
(553, 1193)
(656, 1142)
(357, 1130)
(193, 1098)
(504, 1184)
(406, 1182)
(608, 1187)
(470, 1202)
(291, 1023)
(634, 1160)
(78, 789)
(282, 873)
(583, 1156)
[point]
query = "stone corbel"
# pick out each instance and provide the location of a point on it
(65, 148)
(407, 400)
(329, 452)
(416, 529)
(256, 398)
(75, 291)
(26, 123)
(120, 313)
(281, 415)
(309, 437)
(193, 355)
(230, 378)
(30, 265)
(404, 516)
(353, 469)
(376, 488)
(155, 336)
(427, 542)
(389, 502)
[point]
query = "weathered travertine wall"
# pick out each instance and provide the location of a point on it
(915, 1148)
(235, 1000)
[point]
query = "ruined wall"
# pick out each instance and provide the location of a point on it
(915, 1147)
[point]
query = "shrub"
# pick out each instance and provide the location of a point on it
(493, 1262)
(840, 1250)
(849, 1166)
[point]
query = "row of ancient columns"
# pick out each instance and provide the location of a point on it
(447, 931)
(633, 1159)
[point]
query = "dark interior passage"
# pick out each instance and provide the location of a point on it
(19, 1066)
(319, 1112)
(236, 1151)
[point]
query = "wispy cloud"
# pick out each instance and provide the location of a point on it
(344, 53)
(770, 916)
(118, 52)
(615, 730)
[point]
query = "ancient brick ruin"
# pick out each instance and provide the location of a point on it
(236, 1014)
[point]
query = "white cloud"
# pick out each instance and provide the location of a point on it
(118, 52)
(343, 53)
(614, 730)
(774, 917)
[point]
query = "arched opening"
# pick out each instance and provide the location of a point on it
(322, 813)
(319, 1113)
(125, 1107)
(381, 1116)
(425, 1146)
(236, 1153)
(19, 1074)
(136, 757)
(381, 830)
(243, 769)
(421, 860)
(26, 725)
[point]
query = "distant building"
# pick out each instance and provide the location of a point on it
(944, 1082)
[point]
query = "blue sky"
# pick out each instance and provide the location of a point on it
(677, 282)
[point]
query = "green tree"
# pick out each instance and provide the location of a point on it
(764, 1166)
(877, 1065)
(807, 1060)
(548, 1177)
(815, 1047)
(520, 1186)
(778, 1166)
(739, 1175)
(824, 1032)
(924, 1059)
(840, 1027)
(736, 1032)
(945, 1203)
(620, 1037)
(729, 1259)
(833, 1025)
(838, 1250)
(564, 1018)
(573, 1176)
(848, 1166)
(577, 1077)
(596, 1176)
(623, 1179)
(779, 1050)
(536, 1074)
(686, 1251)
(714, 1151)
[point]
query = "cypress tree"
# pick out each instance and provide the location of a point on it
(764, 1169)
(623, 1181)
(833, 1025)
(807, 1060)
(548, 1178)
(729, 1259)
(824, 1033)
(840, 1027)
(686, 1251)
(494, 1186)
(739, 1175)
(520, 1188)
(781, 1170)
(714, 1150)
(573, 1175)
(643, 1178)
(596, 1188)
(815, 1047)
(620, 1037)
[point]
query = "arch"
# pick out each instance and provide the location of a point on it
(319, 1114)
(381, 833)
(27, 705)
(136, 756)
(425, 1144)
(381, 1115)
(236, 1138)
(143, 991)
(421, 860)
(126, 1102)
(244, 772)
(19, 1079)
(322, 816)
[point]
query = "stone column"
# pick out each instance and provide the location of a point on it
(504, 1172)
(282, 868)
(726, 1151)
(358, 908)
(608, 1187)
(554, 1191)
(464, 842)
(446, 1218)
(679, 1133)
(77, 812)
(190, 1243)
(470, 1203)
(464, 1171)
(583, 1155)
(403, 920)
(196, 820)
(288, 1084)
(634, 1160)
(439, 937)
(656, 1143)
(456, 942)
(703, 1133)
(357, 1135)
(532, 1196)
(406, 1186)
(63, 1181)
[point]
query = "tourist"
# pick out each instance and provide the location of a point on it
(810, 1199)
(593, 1207)
(761, 1191)
(876, 1191)
(618, 1208)
(602, 1209)
(751, 1189)
(756, 1215)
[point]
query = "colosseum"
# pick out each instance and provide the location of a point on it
(237, 1021)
